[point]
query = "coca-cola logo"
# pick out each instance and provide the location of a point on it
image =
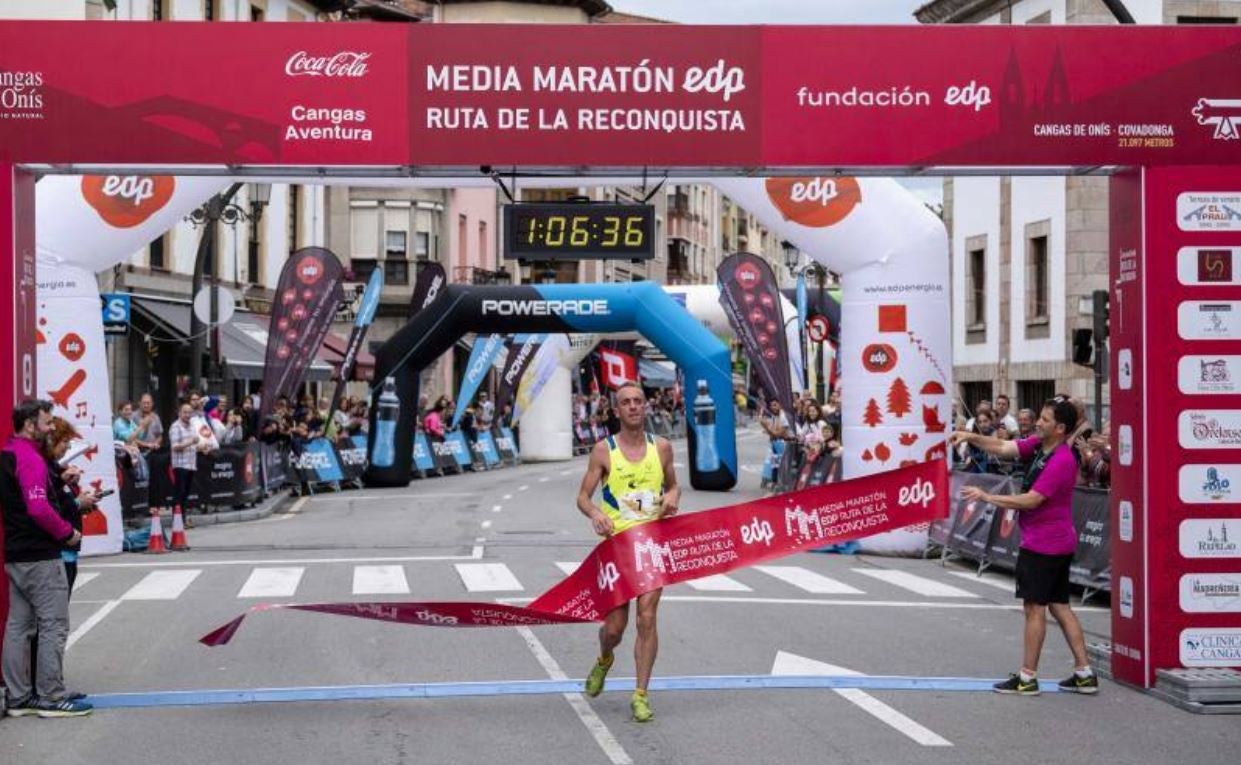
(345, 63)
(879, 358)
(125, 201)
(815, 202)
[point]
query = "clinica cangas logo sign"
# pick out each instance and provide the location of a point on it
(1210, 647)
(505, 307)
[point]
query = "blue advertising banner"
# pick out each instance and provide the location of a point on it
(318, 462)
(481, 357)
(507, 445)
(460, 449)
(487, 446)
(422, 454)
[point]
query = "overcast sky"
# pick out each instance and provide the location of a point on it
(790, 12)
(774, 11)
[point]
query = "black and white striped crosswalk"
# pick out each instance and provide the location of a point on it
(275, 580)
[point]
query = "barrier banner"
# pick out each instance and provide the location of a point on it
(134, 491)
(507, 444)
(317, 462)
(459, 448)
(1005, 540)
(309, 290)
(274, 465)
(1092, 563)
(486, 447)
(654, 555)
(423, 461)
(352, 458)
(226, 477)
(442, 453)
(971, 534)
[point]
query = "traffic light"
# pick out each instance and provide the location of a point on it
(1083, 346)
(1100, 315)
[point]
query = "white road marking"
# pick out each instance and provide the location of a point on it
(298, 506)
(508, 496)
(792, 664)
(90, 623)
(933, 605)
(566, 566)
(523, 487)
(544, 479)
(999, 583)
(379, 580)
(805, 579)
(486, 524)
(607, 742)
(918, 585)
(474, 555)
(487, 577)
(162, 585)
(497, 508)
(566, 472)
(83, 579)
(272, 583)
(718, 583)
(350, 496)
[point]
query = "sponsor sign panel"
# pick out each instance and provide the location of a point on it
(1209, 429)
(1126, 597)
(1209, 320)
(1204, 484)
(1210, 538)
(1125, 529)
(1209, 211)
(1211, 647)
(1209, 375)
(1211, 593)
(1208, 266)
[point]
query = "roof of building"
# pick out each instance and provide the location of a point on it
(616, 17)
(591, 7)
(951, 11)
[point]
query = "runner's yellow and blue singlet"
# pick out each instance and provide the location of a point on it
(631, 489)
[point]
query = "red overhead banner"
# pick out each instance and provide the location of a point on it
(603, 95)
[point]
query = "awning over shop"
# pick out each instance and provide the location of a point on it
(333, 353)
(657, 374)
(243, 340)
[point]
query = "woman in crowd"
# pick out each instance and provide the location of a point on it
(433, 423)
(974, 459)
(235, 428)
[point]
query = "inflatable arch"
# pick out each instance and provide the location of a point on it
(589, 308)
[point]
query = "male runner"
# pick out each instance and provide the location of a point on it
(639, 486)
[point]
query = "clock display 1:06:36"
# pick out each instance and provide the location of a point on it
(583, 231)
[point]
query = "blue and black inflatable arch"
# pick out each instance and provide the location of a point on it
(588, 308)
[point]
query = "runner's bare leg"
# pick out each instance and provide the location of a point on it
(612, 630)
(647, 644)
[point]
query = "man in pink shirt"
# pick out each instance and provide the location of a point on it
(1048, 539)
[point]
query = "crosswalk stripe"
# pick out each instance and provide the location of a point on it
(914, 583)
(272, 583)
(162, 585)
(718, 583)
(379, 580)
(566, 566)
(1000, 583)
(83, 580)
(487, 577)
(809, 581)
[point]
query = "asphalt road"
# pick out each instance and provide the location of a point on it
(502, 534)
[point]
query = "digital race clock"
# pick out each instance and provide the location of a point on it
(579, 230)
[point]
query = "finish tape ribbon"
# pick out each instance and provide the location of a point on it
(677, 549)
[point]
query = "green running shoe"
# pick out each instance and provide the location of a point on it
(641, 706)
(598, 674)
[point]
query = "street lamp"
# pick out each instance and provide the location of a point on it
(792, 256)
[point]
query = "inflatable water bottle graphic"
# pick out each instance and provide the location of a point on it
(707, 459)
(384, 452)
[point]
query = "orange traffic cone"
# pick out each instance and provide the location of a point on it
(156, 545)
(179, 541)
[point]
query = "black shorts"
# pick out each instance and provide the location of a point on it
(1043, 578)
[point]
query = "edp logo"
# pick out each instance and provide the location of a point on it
(608, 575)
(757, 531)
(920, 493)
